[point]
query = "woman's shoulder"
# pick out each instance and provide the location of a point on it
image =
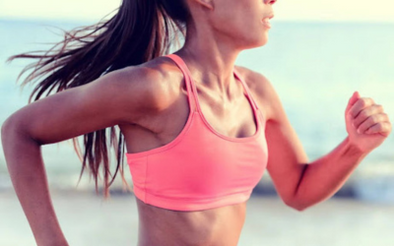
(258, 84)
(156, 77)
(256, 81)
(261, 88)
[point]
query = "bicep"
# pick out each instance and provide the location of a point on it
(117, 97)
(287, 158)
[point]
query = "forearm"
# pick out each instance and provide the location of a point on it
(325, 176)
(26, 168)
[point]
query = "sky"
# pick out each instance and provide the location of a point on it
(304, 10)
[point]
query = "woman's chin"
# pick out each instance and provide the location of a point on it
(262, 41)
(257, 42)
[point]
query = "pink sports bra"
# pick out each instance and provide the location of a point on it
(201, 168)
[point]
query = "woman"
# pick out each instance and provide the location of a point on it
(197, 128)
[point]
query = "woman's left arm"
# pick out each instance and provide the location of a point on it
(367, 126)
(299, 183)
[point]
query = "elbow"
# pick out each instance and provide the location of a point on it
(299, 208)
(296, 204)
(12, 128)
(5, 128)
(8, 127)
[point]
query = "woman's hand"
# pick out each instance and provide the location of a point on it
(366, 123)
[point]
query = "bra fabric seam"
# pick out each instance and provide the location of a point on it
(231, 139)
(215, 197)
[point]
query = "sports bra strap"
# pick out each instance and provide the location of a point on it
(186, 74)
(248, 94)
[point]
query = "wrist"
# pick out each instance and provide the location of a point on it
(354, 149)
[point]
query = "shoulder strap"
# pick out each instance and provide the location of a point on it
(248, 93)
(179, 62)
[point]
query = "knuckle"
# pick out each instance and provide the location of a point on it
(373, 119)
(364, 113)
(372, 129)
(368, 123)
(353, 113)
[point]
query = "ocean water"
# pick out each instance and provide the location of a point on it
(314, 67)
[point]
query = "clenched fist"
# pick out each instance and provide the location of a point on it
(366, 123)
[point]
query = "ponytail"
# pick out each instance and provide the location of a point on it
(140, 31)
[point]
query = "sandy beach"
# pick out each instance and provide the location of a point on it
(87, 219)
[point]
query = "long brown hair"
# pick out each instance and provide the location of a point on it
(141, 30)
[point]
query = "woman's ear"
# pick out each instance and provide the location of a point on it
(206, 3)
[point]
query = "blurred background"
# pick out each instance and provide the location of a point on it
(318, 54)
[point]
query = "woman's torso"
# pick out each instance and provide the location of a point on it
(218, 226)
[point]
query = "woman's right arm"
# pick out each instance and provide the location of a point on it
(122, 96)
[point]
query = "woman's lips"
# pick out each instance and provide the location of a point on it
(266, 22)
